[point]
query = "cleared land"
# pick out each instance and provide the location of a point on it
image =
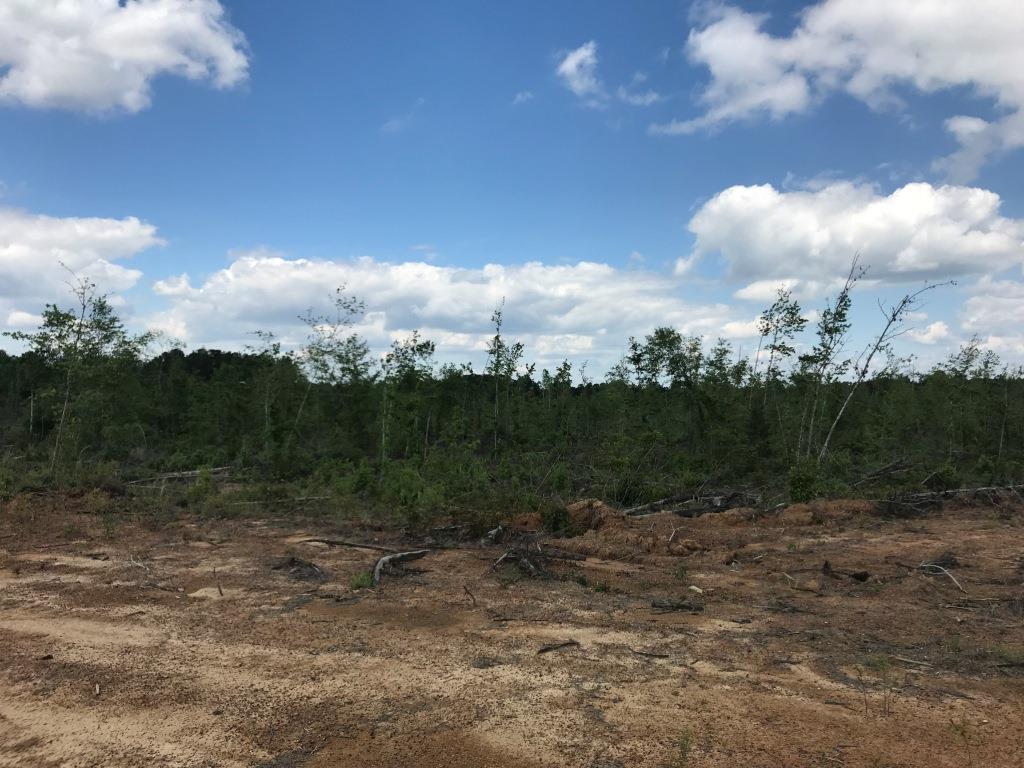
(183, 645)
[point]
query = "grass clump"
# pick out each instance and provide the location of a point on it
(361, 580)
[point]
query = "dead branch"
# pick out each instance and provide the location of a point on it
(398, 557)
(557, 646)
(668, 605)
(939, 568)
(694, 506)
(343, 543)
(190, 474)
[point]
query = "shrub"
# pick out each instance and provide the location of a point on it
(803, 481)
(361, 580)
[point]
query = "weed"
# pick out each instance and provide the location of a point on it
(684, 746)
(682, 572)
(962, 730)
(1008, 656)
(110, 522)
(361, 580)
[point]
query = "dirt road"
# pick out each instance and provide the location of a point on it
(184, 646)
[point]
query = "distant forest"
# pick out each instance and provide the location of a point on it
(88, 402)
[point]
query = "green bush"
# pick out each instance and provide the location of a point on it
(945, 478)
(361, 580)
(803, 482)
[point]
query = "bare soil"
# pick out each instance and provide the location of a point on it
(121, 645)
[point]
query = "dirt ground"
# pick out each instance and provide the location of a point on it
(121, 645)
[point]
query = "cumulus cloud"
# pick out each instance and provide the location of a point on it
(932, 334)
(578, 72)
(868, 49)
(102, 55)
(805, 239)
(37, 252)
(522, 97)
(637, 93)
(585, 309)
(995, 312)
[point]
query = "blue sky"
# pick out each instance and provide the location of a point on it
(585, 151)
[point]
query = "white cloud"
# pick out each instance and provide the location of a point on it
(584, 309)
(932, 334)
(578, 71)
(868, 49)
(995, 311)
(33, 249)
(522, 97)
(102, 55)
(684, 265)
(765, 290)
(18, 319)
(805, 239)
(636, 93)
(401, 122)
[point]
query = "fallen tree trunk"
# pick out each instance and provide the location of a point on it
(919, 503)
(694, 506)
(189, 475)
(398, 557)
(343, 543)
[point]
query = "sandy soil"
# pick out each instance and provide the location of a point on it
(183, 646)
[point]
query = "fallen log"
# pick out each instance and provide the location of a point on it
(190, 474)
(343, 543)
(398, 557)
(696, 505)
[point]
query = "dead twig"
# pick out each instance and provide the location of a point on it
(905, 660)
(557, 646)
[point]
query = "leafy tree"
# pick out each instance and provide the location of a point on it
(79, 342)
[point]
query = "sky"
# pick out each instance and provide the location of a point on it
(603, 167)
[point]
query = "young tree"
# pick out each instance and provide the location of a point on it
(779, 326)
(407, 364)
(503, 360)
(894, 317)
(822, 365)
(334, 354)
(78, 340)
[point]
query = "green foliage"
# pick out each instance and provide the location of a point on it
(399, 437)
(361, 580)
(802, 483)
(202, 489)
(684, 747)
(945, 478)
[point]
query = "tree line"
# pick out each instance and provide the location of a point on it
(807, 416)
